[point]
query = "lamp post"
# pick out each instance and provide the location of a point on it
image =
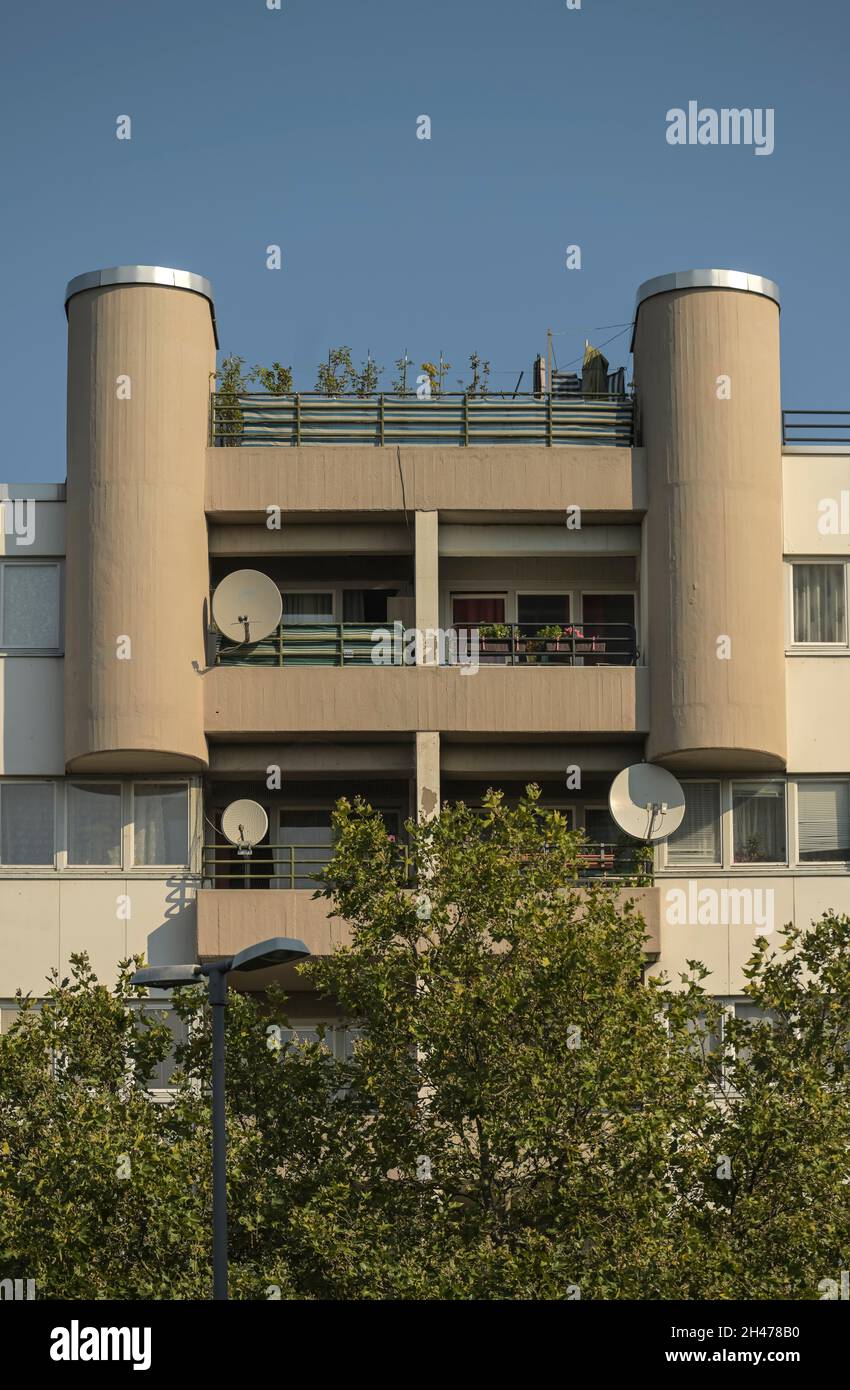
(279, 950)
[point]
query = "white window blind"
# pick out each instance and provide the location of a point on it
(823, 814)
(819, 612)
(697, 841)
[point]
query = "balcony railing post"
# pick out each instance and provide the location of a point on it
(298, 417)
(549, 418)
(466, 418)
(381, 416)
(280, 644)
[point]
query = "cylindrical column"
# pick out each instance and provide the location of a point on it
(707, 379)
(141, 348)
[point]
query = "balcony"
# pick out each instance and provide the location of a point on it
(452, 418)
(270, 703)
(504, 644)
(229, 919)
(298, 867)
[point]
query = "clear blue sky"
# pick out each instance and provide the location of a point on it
(298, 127)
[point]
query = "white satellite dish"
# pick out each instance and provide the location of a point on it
(646, 801)
(244, 823)
(247, 606)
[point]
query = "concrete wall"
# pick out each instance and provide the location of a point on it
(725, 949)
(137, 563)
(44, 921)
(605, 483)
(228, 920)
(714, 538)
(266, 703)
(816, 524)
(811, 484)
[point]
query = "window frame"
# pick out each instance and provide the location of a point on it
(717, 782)
(814, 863)
(793, 647)
(45, 561)
(31, 781)
(133, 782)
(759, 863)
(122, 837)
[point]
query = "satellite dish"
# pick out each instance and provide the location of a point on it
(646, 801)
(244, 823)
(247, 606)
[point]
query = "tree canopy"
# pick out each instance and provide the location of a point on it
(525, 1112)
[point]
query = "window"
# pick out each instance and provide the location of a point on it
(820, 614)
(160, 823)
(26, 823)
(697, 841)
(609, 850)
(308, 608)
(543, 610)
(470, 609)
(306, 839)
(29, 609)
(608, 622)
(94, 823)
(823, 819)
(758, 818)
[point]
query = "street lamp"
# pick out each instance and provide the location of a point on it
(278, 950)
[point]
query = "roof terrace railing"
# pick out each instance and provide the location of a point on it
(816, 427)
(452, 418)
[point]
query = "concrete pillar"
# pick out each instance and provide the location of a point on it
(427, 775)
(707, 379)
(141, 347)
(427, 578)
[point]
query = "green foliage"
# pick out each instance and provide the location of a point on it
(339, 374)
(400, 384)
(480, 376)
(277, 380)
(436, 372)
(231, 382)
(526, 1111)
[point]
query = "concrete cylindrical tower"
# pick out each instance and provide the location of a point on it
(141, 347)
(707, 380)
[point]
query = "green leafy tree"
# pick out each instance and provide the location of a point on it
(480, 376)
(400, 386)
(339, 374)
(276, 379)
(231, 382)
(334, 376)
(526, 1114)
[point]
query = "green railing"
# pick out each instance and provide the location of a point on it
(325, 644)
(299, 866)
(453, 418)
(359, 644)
(272, 866)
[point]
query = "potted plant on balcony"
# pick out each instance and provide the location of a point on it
(493, 637)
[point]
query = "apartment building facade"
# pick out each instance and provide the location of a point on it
(659, 576)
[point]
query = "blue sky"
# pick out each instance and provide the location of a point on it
(298, 127)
